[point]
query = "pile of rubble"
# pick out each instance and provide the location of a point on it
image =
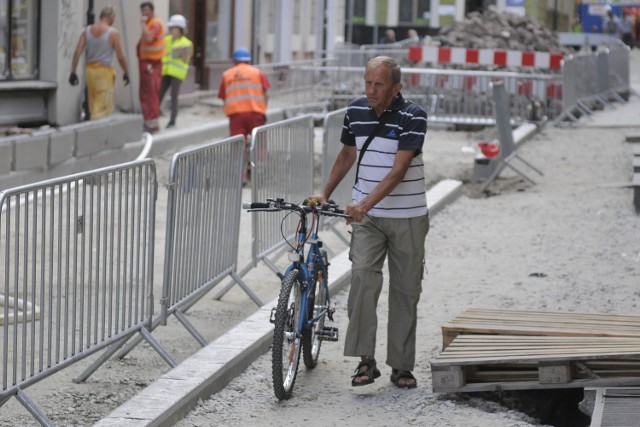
(493, 30)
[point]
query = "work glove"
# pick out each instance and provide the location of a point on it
(125, 79)
(73, 79)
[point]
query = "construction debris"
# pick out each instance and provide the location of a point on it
(493, 30)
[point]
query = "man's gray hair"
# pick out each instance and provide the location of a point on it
(391, 64)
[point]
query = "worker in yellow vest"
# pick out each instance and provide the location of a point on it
(150, 53)
(175, 63)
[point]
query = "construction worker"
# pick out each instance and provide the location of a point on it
(100, 41)
(150, 52)
(244, 91)
(175, 63)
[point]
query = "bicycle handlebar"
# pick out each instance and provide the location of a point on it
(328, 209)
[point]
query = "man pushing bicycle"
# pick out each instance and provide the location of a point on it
(384, 134)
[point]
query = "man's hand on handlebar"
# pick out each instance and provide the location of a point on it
(316, 199)
(356, 212)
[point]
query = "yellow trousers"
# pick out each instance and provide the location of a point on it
(100, 83)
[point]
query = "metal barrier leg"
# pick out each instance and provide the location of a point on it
(130, 345)
(116, 346)
(237, 279)
(529, 164)
(33, 409)
(156, 346)
(189, 327)
(504, 163)
(105, 356)
(519, 172)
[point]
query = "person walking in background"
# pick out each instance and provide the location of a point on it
(388, 38)
(100, 41)
(175, 63)
(150, 51)
(626, 29)
(389, 216)
(244, 90)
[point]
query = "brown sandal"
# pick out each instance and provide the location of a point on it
(372, 372)
(397, 375)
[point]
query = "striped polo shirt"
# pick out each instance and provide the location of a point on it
(404, 129)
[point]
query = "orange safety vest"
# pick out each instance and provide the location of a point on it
(243, 91)
(153, 50)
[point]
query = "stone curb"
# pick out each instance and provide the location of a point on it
(176, 393)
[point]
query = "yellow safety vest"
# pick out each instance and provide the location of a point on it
(172, 63)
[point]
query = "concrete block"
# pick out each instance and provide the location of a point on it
(128, 126)
(447, 377)
(442, 194)
(32, 152)
(556, 372)
(61, 145)
(6, 155)
(91, 139)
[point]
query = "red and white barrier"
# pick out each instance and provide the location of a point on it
(467, 56)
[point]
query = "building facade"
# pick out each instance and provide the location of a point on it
(38, 38)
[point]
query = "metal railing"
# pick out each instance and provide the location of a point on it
(331, 146)
(593, 80)
(203, 210)
(282, 165)
(205, 196)
(76, 257)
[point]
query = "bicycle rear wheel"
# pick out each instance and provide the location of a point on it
(285, 354)
(311, 338)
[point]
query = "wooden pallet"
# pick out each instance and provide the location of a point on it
(547, 323)
(490, 350)
(616, 407)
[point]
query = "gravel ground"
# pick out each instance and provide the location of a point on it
(569, 243)
(577, 226)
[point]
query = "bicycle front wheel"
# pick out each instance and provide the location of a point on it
(285, 354)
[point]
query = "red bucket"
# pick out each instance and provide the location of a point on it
(489, 149)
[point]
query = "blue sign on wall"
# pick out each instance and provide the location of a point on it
(515, 3)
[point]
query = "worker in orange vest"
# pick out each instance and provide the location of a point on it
(244, 91)
(150, 50)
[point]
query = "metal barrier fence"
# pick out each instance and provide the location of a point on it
(592, 80)
(331, 146)
(203, 223)
(299, 86)
(464, 96)
(76, 256)
(282, 166)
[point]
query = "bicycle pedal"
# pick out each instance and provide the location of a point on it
(272, 316)
(328, 333)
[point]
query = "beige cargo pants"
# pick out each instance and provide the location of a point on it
(372, 240)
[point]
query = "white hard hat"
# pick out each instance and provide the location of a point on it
(177, 21)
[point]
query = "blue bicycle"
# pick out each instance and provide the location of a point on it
(304, 300)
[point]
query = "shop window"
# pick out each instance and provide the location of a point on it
(359, 11)
(414, 12)
(19, 39)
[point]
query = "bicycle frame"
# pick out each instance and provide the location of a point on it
(304, 300)
(307, 268)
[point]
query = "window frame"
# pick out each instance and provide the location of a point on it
(8, 72)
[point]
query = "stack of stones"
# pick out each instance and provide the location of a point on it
(493, 30)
